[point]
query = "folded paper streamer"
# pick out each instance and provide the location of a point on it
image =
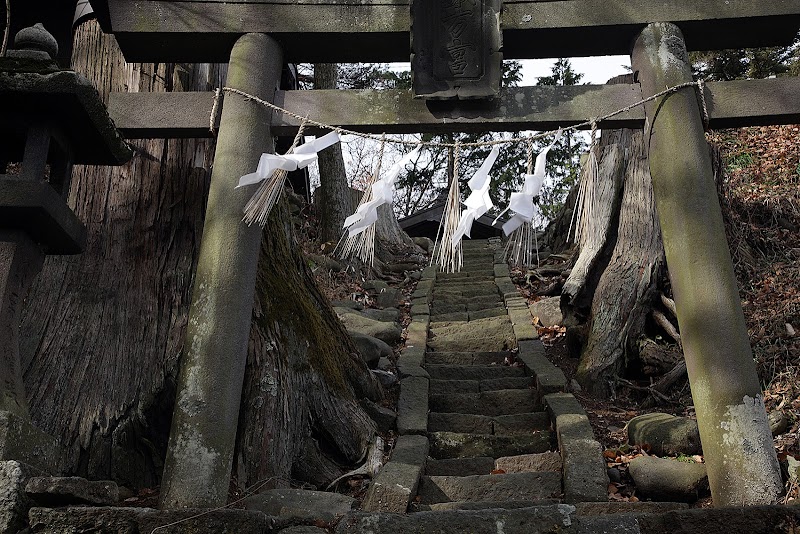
(382, 193)
(478, 202)
(300, 158)
(521, 202)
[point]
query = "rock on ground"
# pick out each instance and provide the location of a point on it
(668, 480)
(666, 434)
(548, 311)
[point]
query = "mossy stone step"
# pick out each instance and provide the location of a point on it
(460, 467)
(477, 289)
(482, 359)
(473, 372)
(486, 505)
(490, 334)
(466, 304)
(446, 387)
(487, 273)
(443, 387)
(485, 314)
(445, 445)
(477, 488)
(507, 425)
(462, 316)
(493, 403)
(467, 300)
(521, 423)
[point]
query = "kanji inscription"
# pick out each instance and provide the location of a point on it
(455, 48)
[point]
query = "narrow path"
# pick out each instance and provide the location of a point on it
(490, 439)
(487, 434)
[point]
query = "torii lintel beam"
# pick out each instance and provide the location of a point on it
(378, 30)
(730, 104)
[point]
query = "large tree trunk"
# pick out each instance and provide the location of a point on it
(103, 331)
(335, 203)
(621, 262)
(298, 345)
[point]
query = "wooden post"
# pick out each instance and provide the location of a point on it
(742, 465)
(202, 438)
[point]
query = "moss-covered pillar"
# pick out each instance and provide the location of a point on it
(201, 443)
(737, 443)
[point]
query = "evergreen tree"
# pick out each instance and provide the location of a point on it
(563, 162)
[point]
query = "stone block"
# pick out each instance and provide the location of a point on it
(508, 487)
(459, 422)
(520, 423)
(526, 463)
(549, 378)
(501, 270)
(641, 507)
(666, 434)
(389, 298)
(410, 449)
(61, 491)
(429, 273)
(384, 418)
(441, 387)
(371, 348)
(548, 310)
(585, 475)
(21, 441)
(420, 308)
(393, 488)
(479, 465)
(474, 372)
(424, 294)
(573, 426)
(669, 480)
(493, 403)
(562, 403)
(412, 406)
(407, 370)
(122, 520)
(14, 502)
(302, 505)
(454, 445)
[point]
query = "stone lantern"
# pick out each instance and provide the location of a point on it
(51, 119)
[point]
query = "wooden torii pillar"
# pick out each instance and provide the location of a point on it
(742, 464)
(201, 444)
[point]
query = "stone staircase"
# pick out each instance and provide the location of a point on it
(485, 425)
(488, 432)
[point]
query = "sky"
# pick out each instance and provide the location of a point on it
(595, 70)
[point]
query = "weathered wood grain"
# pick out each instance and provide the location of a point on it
(186, 115)
(378, 31)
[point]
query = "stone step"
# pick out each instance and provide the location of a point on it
(485, 314)
(526, 463)
(477, 488)
(442, 387)
(460, 467)
(507, 425)
(486, 505)
(482, 359)
(478, 289)
(491, 334)
(462, 316)
(498, 402)
(487, 273)
(472, 372)
(445, 445)
(583, 518)
(465, 304)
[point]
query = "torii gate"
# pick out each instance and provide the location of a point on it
(257, 36)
